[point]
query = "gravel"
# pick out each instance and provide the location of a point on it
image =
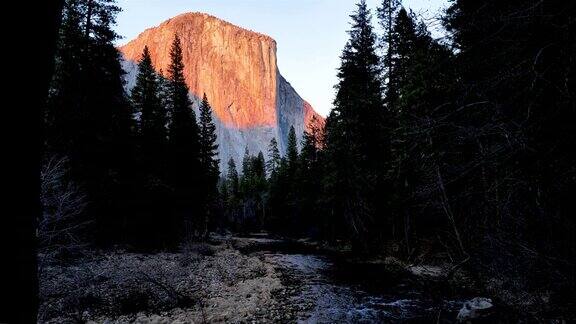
(213, 283)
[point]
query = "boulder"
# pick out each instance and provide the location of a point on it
(475, 308)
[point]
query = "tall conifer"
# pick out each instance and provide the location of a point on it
(292, 150)
(208, 146)
(89, 116)
(150, 180)
(152, 126)
(356, 136)
(232, 178)
(274, 158)
(184, 150)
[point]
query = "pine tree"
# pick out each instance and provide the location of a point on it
(357, 136)
(274, 158)
(66, 93)
(184, 151)
(150, 168)
(311, 145)
(308, 181)
(260, 187)
(400, 87)
(208, 161)
(283, 195)
(259, 167)
(387, 13)
(232, 202)
(164, 92)
(183, 130)
(403, 47)
(232, 178)
(208, 146)
(278, 189)
(245, 177)
(292, 150)
(246, 162)
(253, 188)
(89, 116)
(417, 107)
(152, 129)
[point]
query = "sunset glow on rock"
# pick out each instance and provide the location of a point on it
(237, 70)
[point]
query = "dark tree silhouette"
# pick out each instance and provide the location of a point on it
(209, 161)
(208, 146)
(151, 181)
(274, 158)
(356, 136)
(89, 116)
(184, 151)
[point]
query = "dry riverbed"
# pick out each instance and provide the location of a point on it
(204, 283)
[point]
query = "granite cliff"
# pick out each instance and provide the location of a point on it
(237, 70)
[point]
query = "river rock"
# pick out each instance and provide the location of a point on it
(475, 308)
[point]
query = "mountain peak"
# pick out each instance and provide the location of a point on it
(191, 17)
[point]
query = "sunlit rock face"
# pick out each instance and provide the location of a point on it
(237, 70)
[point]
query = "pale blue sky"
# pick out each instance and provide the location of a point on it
(310, 33)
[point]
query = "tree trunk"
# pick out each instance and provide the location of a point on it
(448, 209)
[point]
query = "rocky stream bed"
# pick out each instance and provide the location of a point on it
(247, 280)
